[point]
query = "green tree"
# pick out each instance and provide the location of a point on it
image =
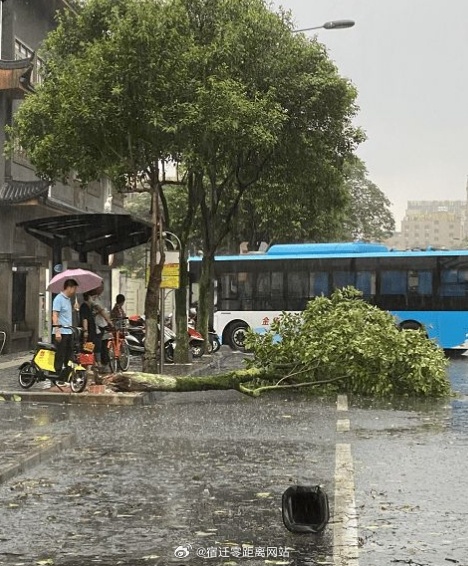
(268, 103)
(136, 259)
(367, 215)
(116, 76)
(304, 211)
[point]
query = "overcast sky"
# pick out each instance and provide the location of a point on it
(409, 62)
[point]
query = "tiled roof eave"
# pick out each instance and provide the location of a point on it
(15, 192)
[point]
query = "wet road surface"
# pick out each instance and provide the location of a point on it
(208, 470)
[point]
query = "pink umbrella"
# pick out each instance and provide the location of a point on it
(86, 280)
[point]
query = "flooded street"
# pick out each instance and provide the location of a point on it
(201, 475)
(411, 481)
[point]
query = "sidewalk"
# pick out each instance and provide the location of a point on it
(222, 361)
(9, 364)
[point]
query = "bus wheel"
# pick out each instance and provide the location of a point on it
(412, 325)
(236, 335)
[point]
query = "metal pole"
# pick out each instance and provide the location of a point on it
(161, 310)
(161, 305)
(1, 26)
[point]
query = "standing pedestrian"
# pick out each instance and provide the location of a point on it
(62, 318)
(117, 313)
(103, 321)
(88, 324)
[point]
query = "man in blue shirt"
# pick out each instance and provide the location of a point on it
(62, 318)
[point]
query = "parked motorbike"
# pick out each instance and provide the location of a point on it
(136, 334)
(196, 342)
(42, 366)
(213, 342)
(135, 338)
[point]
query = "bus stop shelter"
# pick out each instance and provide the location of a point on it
(105, 234)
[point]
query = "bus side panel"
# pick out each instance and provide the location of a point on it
(259, 321)
(448, 328)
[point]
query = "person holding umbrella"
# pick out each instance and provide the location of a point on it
(62, 319)
(66, 284)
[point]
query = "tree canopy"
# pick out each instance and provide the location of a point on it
(367, 215)
(351, 346)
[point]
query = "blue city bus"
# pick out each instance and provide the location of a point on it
(421, 288)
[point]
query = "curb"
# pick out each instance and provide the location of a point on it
(35, 457)
(129, 399)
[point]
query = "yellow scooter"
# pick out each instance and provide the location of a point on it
(41, 367)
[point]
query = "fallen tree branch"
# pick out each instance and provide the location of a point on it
(139, 381)
(237, 380)
(256, 392)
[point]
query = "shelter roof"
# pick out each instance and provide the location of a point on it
(101, 233)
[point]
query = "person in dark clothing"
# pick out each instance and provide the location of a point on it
(88, 324)
(117, 313)
(103, 320)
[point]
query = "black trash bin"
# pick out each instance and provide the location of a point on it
(305, 509)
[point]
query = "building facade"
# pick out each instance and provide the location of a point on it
(436, 224)
(26, 262)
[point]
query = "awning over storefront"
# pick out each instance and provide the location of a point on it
(104, 234)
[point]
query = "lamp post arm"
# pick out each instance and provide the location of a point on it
(333, 24)
(166, 232)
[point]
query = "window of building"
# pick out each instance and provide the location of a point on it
(22, 51)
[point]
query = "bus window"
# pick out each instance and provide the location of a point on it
(227, 292)
(393, 283)
(343, 279)
(420, 282)
(270, 291)
(453, 282)
(365, 282)
(245, 289)
(277, 300)
(298, 290)
(319, 284)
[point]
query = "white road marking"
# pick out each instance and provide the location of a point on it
(343, 425)
(342, 403)
(345, 532)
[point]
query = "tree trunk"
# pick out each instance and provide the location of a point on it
(205, 297)
(136, 381)
(150, 359)
(182, 350)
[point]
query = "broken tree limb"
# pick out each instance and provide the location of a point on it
(139, 381)
(252, 382)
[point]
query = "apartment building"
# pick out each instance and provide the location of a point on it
(437, 224)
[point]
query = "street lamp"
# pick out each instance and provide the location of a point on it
(167, 233)
(334, 24)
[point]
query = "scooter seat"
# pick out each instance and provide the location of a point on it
(46, 346)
